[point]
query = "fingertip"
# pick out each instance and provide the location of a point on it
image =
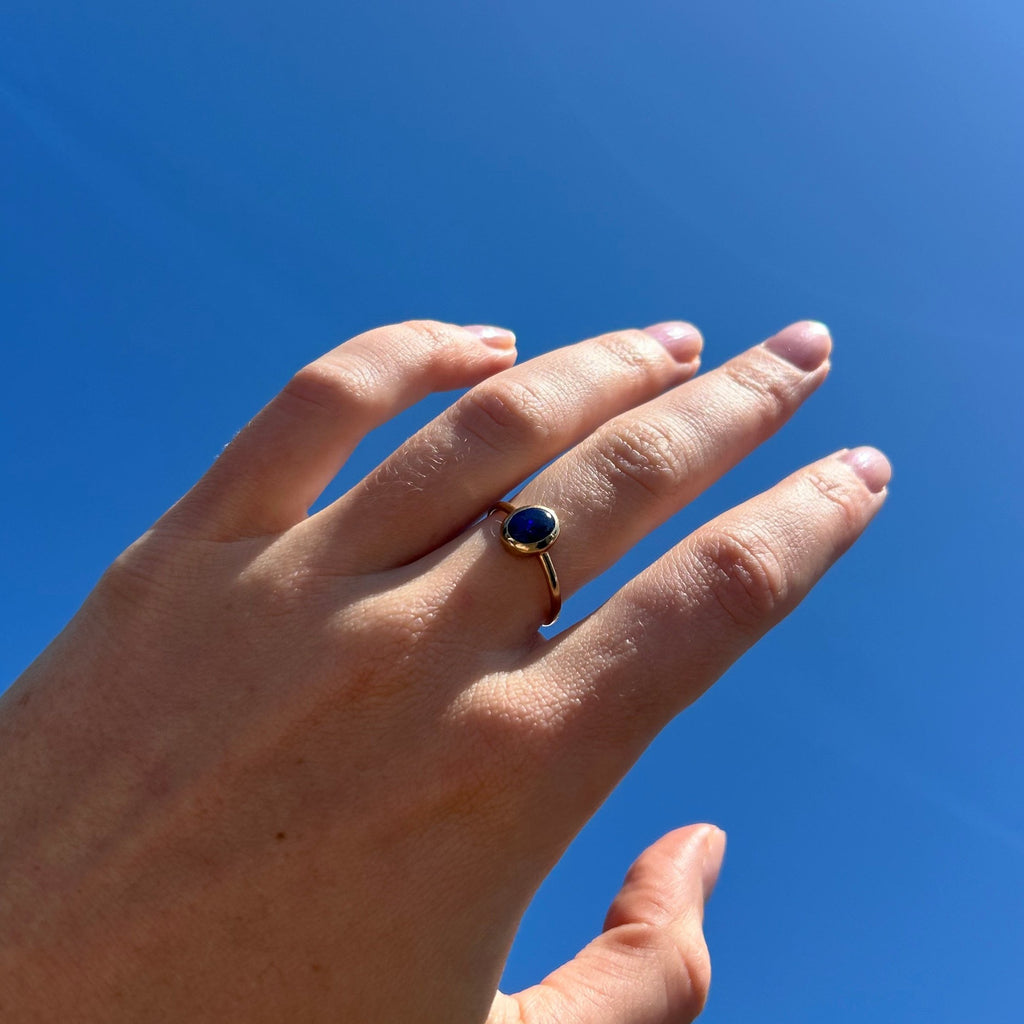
(681, 339)
(488, 350)
(714, 854)
(871, 465)
(495, 337)
(700, 853)
(807, 344)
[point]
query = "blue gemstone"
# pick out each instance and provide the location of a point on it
(530, 525)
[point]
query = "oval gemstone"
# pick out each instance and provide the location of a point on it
(530, 525)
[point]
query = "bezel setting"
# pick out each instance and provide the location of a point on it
(530, 529)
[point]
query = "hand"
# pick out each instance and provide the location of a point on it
(284, 767)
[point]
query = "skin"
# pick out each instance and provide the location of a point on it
(313, 768)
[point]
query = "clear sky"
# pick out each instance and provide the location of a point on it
(198, 197)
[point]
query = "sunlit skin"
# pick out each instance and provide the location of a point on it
(283, 767)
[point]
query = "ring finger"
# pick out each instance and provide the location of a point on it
(639, 468)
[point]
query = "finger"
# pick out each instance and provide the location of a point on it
(495, 436)
(641, 467)
(615, 679)
(650, 965)
(277, 466)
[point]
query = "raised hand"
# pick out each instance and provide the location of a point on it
(313, 768)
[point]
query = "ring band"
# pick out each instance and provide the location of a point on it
(531, 530)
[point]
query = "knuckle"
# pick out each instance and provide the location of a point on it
(645, 453)
(335, 387)
(769, 393)
(500, 742)
(632, 351)
(151, 557)
(128, 577)
(432, 334)
(424, 346)
(505, 414)
(744, 575)
(696, 968)
(683, 961)
(840, 496)
(275, 594)
(150, 575)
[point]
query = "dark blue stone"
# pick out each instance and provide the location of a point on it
(529, 525)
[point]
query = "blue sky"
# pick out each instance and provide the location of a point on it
(197, 199)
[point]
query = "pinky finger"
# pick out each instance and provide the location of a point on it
(267, 478)
(666, 636)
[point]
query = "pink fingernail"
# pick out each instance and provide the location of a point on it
(714, 853)
(683, 340)
(496, 337)
(870, 465)
(806, 344)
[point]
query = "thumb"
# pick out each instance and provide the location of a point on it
(650, 965)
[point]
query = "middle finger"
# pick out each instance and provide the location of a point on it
(493, 438)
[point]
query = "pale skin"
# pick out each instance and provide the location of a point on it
(283, 767)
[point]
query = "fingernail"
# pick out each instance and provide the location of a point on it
(714, 852)
(805, 344)
(496, 337)
(682, 340)
(870, 465)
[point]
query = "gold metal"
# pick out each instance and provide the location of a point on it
(534, 548)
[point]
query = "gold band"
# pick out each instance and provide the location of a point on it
(534, 545)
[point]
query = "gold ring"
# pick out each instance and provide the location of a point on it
(531, 530)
